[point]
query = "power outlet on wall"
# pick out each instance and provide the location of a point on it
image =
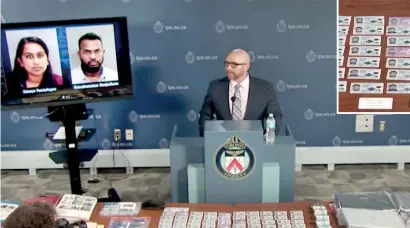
(117, 134)
(364, 123)
(129, 134)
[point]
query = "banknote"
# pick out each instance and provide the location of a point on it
(396, 74)
(341, 50)
(364, 73)
(400, 88)
(365, 50)
(398, 51)
(343, 30)
(363, 62)
(344, 20)
(340, 60)
(341, 40)
(369, 20)
(341, 72)
(369, 88)
(368, 30)
(399, 21)
(398, 63)
(365, 40)
(398, 41)
(397, 30)
(342, 86)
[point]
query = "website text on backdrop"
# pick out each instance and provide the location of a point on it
(239, 96)
(91, 54)
(232, 163)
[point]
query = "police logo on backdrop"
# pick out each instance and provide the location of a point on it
(281, 26)
(190, 57)
(280, 86)
(48, 144)
(192, 116)
(161, 87)
(393, 140)
(126, 1)
(133, 116)
(252, 56)
(336, 141)
(158, 27)
(163, 143)
(234, 160)
(311, 56)
(105, 144)
(220, 27)
(309, 114)
(15, 117)
(63, 1)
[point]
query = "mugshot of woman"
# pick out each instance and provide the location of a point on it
(32, 65)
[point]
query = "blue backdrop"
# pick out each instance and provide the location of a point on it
(178, 46)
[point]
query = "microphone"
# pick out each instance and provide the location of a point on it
(233, 101)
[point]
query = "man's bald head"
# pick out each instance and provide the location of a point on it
(237, 64)
(240, 54)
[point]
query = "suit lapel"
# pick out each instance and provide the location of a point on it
(225, 102)
(251, 97)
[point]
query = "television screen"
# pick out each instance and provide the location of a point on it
(65, 62)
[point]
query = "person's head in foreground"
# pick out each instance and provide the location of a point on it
(237, 64)
(32, 215)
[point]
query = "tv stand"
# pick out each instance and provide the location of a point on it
(69, 114)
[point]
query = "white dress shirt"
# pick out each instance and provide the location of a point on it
(78, 76)
(244, 89)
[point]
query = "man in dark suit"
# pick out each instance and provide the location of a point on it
(239, 96)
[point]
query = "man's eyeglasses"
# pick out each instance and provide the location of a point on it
(233, 64)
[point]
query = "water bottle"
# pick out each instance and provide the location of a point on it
(270, 129)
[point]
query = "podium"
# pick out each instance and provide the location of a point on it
(232, 164)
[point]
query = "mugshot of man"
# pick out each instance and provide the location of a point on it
(91, 53)
(355, 50)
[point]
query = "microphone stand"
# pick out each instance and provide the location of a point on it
(233, 101)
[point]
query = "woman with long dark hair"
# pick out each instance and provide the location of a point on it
(32, 67)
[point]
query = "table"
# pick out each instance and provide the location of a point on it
(156, 214)
(349, 102)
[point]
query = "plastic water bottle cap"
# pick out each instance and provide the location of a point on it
(270, 115)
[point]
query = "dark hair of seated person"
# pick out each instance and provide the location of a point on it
(32, 215)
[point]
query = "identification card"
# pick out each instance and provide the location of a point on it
(401, 21)
(343, 30)
(398, 51)
(363, 62)
(399, 88)
(341, 50)
(342, 86)
(342, 40)
(368, 30)
(365, 50)
(366, 88)
(369, 20)
(398, 63)
(397, 30)
(340, 60)
(398, 41)
(364, 73)
(395, 74)
(365, 40)
(345, 20)
(341, 72)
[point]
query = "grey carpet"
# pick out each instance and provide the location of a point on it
(312, 183)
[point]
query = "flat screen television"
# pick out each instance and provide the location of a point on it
(65, 62)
